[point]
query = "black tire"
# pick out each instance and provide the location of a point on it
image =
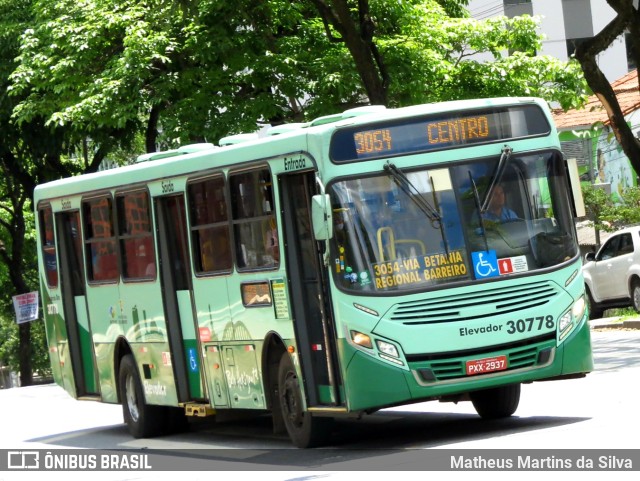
(496, 403)
(635, 295)
(143, 420)
(595, 311)
(304, 430)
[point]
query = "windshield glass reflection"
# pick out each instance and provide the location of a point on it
(407, 230)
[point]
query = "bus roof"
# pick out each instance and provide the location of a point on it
(238, 149)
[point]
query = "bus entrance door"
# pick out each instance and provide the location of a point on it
(175, 277)
(73, 290)
(314, 329)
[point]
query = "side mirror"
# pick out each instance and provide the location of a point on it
(322, 217)
(590, 256)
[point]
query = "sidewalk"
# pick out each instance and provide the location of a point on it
(615, 323)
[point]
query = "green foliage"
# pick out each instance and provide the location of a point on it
(214, 67)
(10, 346)
(9, 339)
(627, 211)
(26, 157)
(455, 8)
(598, 206)
(607, 215)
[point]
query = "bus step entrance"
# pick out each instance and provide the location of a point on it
(89, 397)
(199, 410)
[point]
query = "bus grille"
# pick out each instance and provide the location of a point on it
(516, 359)
(483, 304)
(525, 354)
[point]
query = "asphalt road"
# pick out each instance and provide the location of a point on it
(595, 413)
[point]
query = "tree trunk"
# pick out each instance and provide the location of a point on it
(24, 357)
(151, 134)
(359, 41)
(586, 53)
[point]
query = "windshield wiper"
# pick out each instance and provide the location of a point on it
(495, 180)
(412, 192)
(476, 198)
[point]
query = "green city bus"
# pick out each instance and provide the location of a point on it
(321, 270)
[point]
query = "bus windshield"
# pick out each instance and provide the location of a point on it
(415, 229)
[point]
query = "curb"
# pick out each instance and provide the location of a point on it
(614, 323)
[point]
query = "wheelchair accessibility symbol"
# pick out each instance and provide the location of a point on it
(193, 360)
(485, 264)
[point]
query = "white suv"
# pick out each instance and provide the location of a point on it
(612, 275)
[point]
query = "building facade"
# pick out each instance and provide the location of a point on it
(565, 24)
(586, 136)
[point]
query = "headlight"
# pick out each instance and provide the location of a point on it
(579, 308)
(565, 321)
(387, 348)
(361, 339)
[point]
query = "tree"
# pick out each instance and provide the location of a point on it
(413, 52)
(193, 71)
(627, 18)
(607, 215)
(598, 206)
(25, 158)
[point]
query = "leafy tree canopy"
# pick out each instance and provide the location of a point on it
(199, 70)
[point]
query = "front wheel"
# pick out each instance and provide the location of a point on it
(595, 311)
(635, 295)
(498, 402)
(304, 430)
(143, 420)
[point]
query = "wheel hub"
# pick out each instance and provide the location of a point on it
(132, 400)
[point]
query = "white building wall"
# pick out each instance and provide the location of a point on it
(552, 28)
(482, 9)
(602, 14)
(612, 62)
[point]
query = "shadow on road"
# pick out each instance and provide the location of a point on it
(251, 442)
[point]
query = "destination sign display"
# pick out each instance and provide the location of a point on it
(416, 270)
(436, 132)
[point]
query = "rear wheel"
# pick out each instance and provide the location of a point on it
(142, 420)
(498, 402)
(304, 430)
(595, 311)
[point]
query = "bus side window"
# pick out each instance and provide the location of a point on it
(100, 242)
(254, 223)
(48, 246)
(135, 234)
(210, 225)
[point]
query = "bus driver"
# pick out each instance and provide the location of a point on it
(498, 211)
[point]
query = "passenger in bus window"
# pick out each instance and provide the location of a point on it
(498, 210)
(339, 225)
(271, 243)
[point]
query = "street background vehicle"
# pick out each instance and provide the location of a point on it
(612, 275)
